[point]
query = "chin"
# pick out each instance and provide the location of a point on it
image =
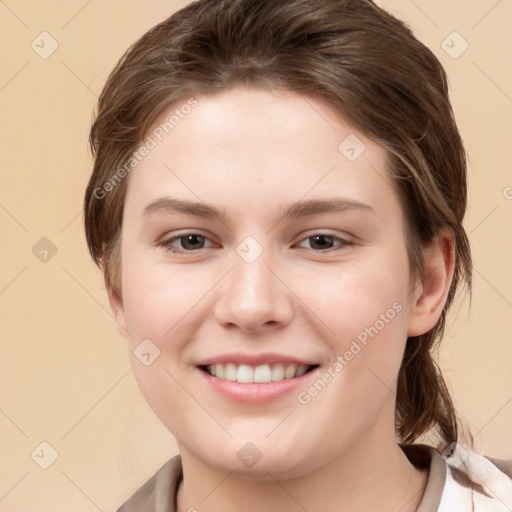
(258, 461)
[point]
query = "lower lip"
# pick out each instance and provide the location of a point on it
(255, 392)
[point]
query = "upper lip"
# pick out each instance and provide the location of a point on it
(254, 359)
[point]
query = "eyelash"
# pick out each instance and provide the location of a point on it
(166, 244)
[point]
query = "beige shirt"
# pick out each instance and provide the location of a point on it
(458, 481)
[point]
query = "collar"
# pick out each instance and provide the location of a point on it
(461, 479)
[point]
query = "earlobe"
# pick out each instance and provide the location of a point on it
(116, 305)
(429, 296)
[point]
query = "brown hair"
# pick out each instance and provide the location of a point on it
(349, 53)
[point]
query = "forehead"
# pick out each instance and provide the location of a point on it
(250, 147)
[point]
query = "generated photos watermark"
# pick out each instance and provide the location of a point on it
(342, 360)
(151, 142)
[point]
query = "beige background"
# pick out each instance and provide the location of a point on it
(65, 377)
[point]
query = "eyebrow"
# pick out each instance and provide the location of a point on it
(296, 210)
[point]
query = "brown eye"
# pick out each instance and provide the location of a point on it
(321, 242)
(325, 242)
(187, 242)
(192, 242)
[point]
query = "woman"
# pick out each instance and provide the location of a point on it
(277, 204)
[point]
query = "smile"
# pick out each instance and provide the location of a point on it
(245, 373)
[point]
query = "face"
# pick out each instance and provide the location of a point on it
(262, 239)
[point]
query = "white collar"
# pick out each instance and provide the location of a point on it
(473, 483)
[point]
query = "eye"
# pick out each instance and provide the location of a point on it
(186, 242)
(325, 242)
(193, 241)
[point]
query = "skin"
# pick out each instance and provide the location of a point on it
(252, 153)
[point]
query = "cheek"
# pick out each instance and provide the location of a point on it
(162, 304)
(160, 300)
(366, 310)
(355, 297)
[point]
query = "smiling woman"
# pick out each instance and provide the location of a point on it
(289, 251)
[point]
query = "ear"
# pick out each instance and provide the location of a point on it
(429, 294)
(116, 305)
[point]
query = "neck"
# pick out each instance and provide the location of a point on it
(362, 478)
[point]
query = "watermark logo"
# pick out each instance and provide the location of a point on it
(44, 455)
(249, 455)
(454, 45)
(249, 249)
(44, 45)
(44, 250)
(352, 147)
(146, 352)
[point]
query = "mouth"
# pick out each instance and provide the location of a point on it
(264, 373)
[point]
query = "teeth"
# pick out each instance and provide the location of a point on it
(219, 370)
(244, 373)
(230, 372)
(277, 372)
(290, 371)
(262, 373)
(301, 370)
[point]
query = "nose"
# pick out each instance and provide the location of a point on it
(253, 296)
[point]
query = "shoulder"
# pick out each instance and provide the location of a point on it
(159, 492)
(485, 483)
(505, 466)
